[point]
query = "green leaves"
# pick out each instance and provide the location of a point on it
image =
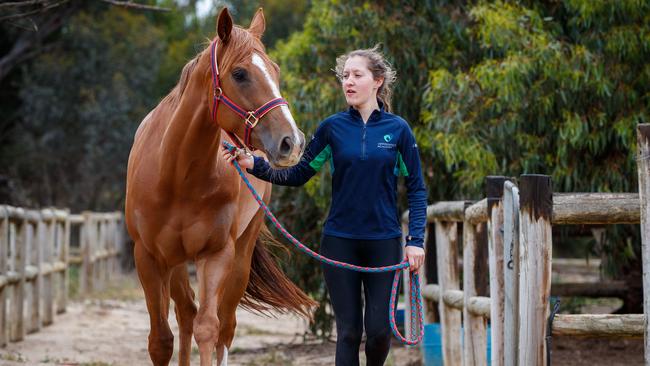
(535, 100)
(81, 103)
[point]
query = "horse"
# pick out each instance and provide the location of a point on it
(185, 203)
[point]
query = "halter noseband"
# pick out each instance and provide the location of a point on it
(251, 118)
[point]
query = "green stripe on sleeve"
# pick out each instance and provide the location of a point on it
(400, 166)
(321, 158)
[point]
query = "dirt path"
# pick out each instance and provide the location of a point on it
(111, 329)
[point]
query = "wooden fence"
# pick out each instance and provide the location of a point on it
(35, 263)
(512, 227)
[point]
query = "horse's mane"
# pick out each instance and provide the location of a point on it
(176, 93)
(240, 40)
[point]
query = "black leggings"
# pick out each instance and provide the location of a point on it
(344, 287)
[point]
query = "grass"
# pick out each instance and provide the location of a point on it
(272, 358)
(124, 287)
(248, 330)
(15, 357)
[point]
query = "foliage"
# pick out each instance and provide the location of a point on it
(556, 89)
(282, 16)
(68, 128)
(79, 104)
(552, 83)
(490, 88)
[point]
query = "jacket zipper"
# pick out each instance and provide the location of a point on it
(363, 143)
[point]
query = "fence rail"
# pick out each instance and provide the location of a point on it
(512, 227)
(35, 263)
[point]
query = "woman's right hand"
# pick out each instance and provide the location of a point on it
(244, 158)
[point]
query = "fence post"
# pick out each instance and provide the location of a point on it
(118, 242)
(33, 261)
(19, 241)
(63, 236)
(104, 236)
(446, 234)
(431, 269)
(110, 247)
(86, 275)
(4, 244)
(474, 335)
(535, 237)
(47, 233)
(99, 245)
(511, 272)
(643, 167)
(494, 188)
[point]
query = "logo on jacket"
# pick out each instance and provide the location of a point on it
(387, 145)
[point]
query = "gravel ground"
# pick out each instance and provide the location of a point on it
(111, 328)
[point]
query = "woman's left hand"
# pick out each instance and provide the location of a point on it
(415, 256)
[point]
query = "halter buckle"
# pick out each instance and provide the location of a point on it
(218, 93)
(251, 121)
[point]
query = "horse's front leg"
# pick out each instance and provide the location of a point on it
(212, 272)
(155, 282)
(236, 287)
(185, 309)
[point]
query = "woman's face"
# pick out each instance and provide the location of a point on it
(359, 86)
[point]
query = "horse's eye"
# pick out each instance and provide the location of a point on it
(240, 75)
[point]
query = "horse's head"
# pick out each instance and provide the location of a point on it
(250, 80)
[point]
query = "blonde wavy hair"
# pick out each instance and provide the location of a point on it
(378, 66)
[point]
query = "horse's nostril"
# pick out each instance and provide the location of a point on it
(286, 146)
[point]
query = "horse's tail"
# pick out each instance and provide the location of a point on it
(268, 287)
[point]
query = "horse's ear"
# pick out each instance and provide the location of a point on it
(258, 24)
(224, 25)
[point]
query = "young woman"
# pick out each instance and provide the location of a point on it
(368, 148)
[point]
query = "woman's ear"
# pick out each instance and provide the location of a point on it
(379, 82)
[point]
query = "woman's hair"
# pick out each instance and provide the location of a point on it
(379, 68)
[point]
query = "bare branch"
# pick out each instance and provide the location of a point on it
(40, 10)
(28, 43)
(22, 3)
(32, 27)
(130, 4)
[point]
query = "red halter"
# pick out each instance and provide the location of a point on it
(251, 118)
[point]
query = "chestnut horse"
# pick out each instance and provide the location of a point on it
(185, 203)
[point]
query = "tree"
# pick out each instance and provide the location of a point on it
(81, 103)
(28, 24)
(30, 30)
(557, 89)
(503, 88)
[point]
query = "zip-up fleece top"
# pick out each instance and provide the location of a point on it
(366, 160)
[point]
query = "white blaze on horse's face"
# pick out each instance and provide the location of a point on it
(297, 140)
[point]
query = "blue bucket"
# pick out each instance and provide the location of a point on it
(432, 345)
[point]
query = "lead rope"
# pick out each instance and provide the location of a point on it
(416, 297)
(549, 330)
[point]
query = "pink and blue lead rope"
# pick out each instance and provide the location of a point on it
(416, 296)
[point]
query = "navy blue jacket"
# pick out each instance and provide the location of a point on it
(366, 160)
